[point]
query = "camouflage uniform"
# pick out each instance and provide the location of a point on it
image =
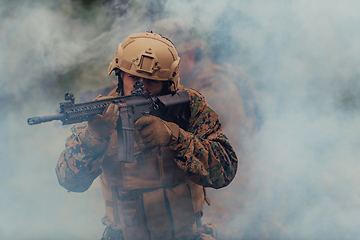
(201, 153)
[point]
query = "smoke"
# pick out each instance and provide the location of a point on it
(302, 165)
(302, 169)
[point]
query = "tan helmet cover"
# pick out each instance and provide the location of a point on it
(148, 55)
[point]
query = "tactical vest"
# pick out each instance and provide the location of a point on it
(150, 198)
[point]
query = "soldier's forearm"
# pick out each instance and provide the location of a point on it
(79, 163)
(209, 162)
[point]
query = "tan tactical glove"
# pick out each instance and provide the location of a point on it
(154, 132)
(103, 125)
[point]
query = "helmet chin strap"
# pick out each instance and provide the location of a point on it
(120, 81)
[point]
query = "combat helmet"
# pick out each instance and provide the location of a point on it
(148, 55)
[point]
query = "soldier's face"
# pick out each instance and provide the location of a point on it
(155, 87)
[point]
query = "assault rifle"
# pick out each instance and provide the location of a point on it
(172, 107)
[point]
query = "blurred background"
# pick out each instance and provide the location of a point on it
(299, 60)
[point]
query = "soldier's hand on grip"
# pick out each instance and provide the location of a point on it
(154, 132)
(102, 125)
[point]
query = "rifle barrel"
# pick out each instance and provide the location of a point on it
(37, 120)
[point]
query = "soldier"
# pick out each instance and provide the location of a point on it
(161, 195)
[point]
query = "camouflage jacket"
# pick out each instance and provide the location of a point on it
(202, 151)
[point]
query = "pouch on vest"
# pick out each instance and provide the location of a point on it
(169, 212)
(156, 215)
(182, 210)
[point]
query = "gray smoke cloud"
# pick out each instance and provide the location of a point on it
(302, 169)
